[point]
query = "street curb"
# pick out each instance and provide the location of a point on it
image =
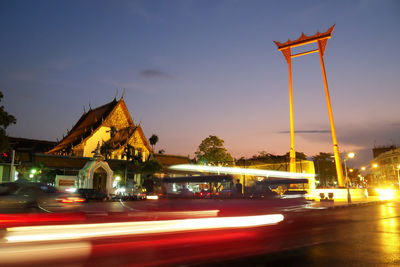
(358, 204)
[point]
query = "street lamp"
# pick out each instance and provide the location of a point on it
(349, 156)
(398, 175)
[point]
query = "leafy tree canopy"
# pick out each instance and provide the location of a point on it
(5, 120)
(152, 165)
(106, 150)
(212, 150)
(325, 168)
(299, 155)
(266, 157)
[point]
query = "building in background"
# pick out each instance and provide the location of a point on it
(385, 167)
(110, 131)
(110, 126)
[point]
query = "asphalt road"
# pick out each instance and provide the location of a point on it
(353, 236)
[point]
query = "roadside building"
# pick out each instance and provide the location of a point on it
(385, 168)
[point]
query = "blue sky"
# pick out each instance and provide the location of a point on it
(195, 68)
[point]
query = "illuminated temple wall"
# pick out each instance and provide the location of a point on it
(102, 134)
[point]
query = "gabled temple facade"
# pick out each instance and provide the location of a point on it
(110, 126)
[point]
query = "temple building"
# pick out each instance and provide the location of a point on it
(104, 146)
(110, 126)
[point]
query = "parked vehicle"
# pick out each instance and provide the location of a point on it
(92, 194)
(28, 196)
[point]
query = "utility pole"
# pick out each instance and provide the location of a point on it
(12, 166)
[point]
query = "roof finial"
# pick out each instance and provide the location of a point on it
(123, 93)
(90, 107)
(116, 94)
(84, 109)
(97, 153)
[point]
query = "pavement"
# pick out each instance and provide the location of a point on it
(344, 203)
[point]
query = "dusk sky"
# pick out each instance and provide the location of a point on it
(194, 68)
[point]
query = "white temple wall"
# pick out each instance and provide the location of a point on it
(101, 135)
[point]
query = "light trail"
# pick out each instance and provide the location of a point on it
(25, 255)
(181, 214)
(243, 171)
(84, 231)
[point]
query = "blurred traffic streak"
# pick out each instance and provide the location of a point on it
(146, 250)
(120, 229)
(167, 215)
(24, 219)
(152, 197)
(31, 219)
(27, 255)
(21, 197)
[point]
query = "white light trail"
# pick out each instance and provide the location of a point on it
(245, 171)
(84, 231)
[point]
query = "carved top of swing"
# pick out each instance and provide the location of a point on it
(304, 39)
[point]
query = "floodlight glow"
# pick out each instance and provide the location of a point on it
(244, 171)
(386, 193)
(121, 190)
(71, 190)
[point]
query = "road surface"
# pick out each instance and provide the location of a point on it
(354, 236)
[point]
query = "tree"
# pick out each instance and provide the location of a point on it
(48, 176)
(106, 150)
(5, 121)
(299, 155)
(153, 140)
(151, 165)
(129, 152)
(325, 168)
(212, 151)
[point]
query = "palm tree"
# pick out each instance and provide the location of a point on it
(153, 140)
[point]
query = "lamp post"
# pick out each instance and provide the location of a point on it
(398, 175)
(349, 156)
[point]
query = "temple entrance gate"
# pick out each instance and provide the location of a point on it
(100, 180)
(96, 174)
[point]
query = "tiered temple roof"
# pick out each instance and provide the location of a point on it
(93, 119)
